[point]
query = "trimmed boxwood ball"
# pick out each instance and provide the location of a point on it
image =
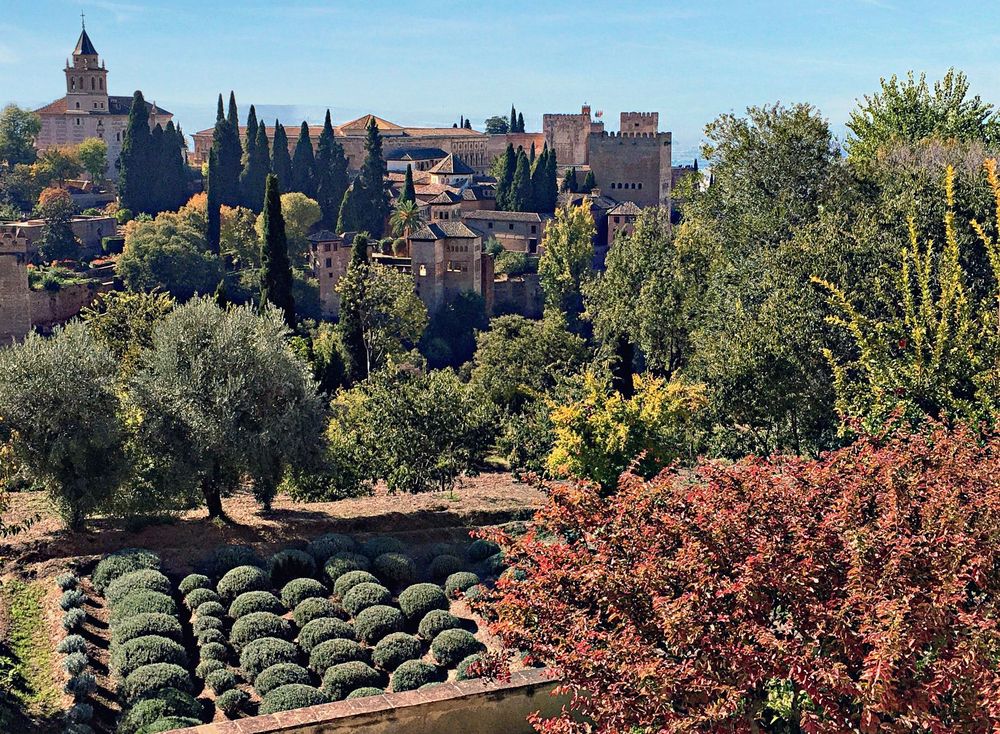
(415, 601)
(290, 564)
(70, 644)
(148, 679)
(211, 609)
(67, 581)
(445, 565)
(194, 581)
(120, 563)
(292, 696)
(81, 685)
(323, 629)
(334, 652)
(259, 624)
(75, 663)
(374, 623)
(74, 619)
(279, 675)
(232, 702)
(255, 601)
(298, 590)
(221, 681)
(394, 649)
(315, 608)
(344, 562)
(214, 651)
(494, 565)
(474, 592)
(210, 637)
(326, 546)
(241, 580)
(451, 646)
(165, 702)
(341, 680)
(203, 624)
(72, 599)
(459, 582)
(155, 623)
(141, 601)
(265, 652)
(374, 547)
(397, 569)
(228, 557)
(169, 723)
(412, 674)
(349, 580)
(147, 578)
(480, 550)
(365, 692)
(365, 595)
(462, 669)
(206, 667)
(143, 651)
(197, 597)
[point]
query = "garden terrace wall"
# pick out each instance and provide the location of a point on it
(471, 707)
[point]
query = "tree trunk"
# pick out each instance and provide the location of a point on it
(211, 488)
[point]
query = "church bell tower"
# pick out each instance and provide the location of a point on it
(86, 78)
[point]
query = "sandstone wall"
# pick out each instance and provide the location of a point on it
(633, 167)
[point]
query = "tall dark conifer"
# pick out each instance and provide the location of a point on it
(213, 214)
(539, 176)
(157, 186)
(135, 159)
(229, 153)
(520, 122)
(255, 172)
(350, 321)
(521, 199)
(275, 267)
(331, 175)
(281, 161)
(531, 158)
(375, 200)
(589, 182)
(251, 134)
(408, 193)
(513, 119)
(506, 178)
(304, 164)
(552, 184)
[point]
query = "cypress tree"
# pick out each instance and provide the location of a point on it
(178, 166)
(349, 217)
(506, 179)
(589, 183)
(157, 186)
(255, 173)
(375, 201)
(304, 164)
(135, 159)
(213, 214)
(539, 177)
(331, 175)
(569, 181)
(513, 119)
(228, 153)
(350, 322)
(275, 267)
(521, 199)
(531, 158)
(233, 115)
(408, 193)
(520, 122)
(281, 162)
(552, 183)
(251, 136)
(468, 124)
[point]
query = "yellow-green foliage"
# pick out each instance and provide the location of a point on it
(598, 436)
(26, 682)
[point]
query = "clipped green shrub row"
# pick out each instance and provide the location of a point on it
(145, 579)
(365, 595)
(291, 696)
(417, 600)
(341, 680)
(255, 601)
(261, 654)
(298, 590)
(413, 674)
(120, 563)
(282, 674)
(146, 650)
(326, 546)
(323, 629)
(374, 623)
(256, 625)
(394, 649)
(315, 608)
(349, 580)
(333, 652)
(240, 580)
(453, 645)
(290, 564)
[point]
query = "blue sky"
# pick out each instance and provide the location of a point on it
(428, 62)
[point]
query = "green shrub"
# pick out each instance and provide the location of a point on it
(374, 623)
(445, 565)
(439, 549)
(396, 569)
(292, 696)
(221, 681)
(211, 637)
(80, 713)
(255, 601)
(290, 564)
(72, 599)
(315, 608)
(206, 667)
(194, 581)
(326, 546)
(349, 580)
(365, 595)
(120, 563)
(232, 702)
(415, 601)
(165, 702)
(298, 590)
(474, 592)
(240, 580)
(197, 597)
(265, 652)
(480, 550)
(214, 651)
(459, 582)
(451, 646)
(208, 622)
(374, 547)
(334, 652)
(435, 621)
(144, 651)
(141, 601)
(323, 629)
(365, 692)
(259, 624)
(75, 727)
(75, 663)
(155, 623)
(74, 619)
(81, 685)
(494, 565)
(345, 562)
(340, 680)
(169, 723)
(282, 674)
(228, 557)
(394, 649)
(147, 578)
(148, 679)
(462, 669)
(70, 644)
(211, 609)
(67, 581)
(412, 674)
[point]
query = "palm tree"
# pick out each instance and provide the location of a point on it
(405, 218)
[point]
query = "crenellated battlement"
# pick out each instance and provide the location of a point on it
(653, 138)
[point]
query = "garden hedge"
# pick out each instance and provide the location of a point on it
(365, 595)
(340, 680)
(397, 569)
(71, 643)
(315, 608)
(81, 685)
(207, 667)
(152, 623)
(412, 674)
(435, 621)
(255, 601)
(229, 557)
(169, 723)
(203, 624)
(211, 636)
(221, 681)
(334, 652)
(120, 563)
(460, 582)
(66, 581)
(292, 696)
(394, 649)
(374, 547)
(349, 580)
(480, 550)
(240, 580)
(149, 679)
(345, 562)
(445, 565)
(417, 600)
(166, 702)
(232, 702)
(75, 663)
(290, 564)
(145, 650)
(72, 599)
(279, 675)
(462, 669)
(196, 597)
(214, 651)
(365, 692)
(323, 629)
(374, 623)
(494, 565)
(73, 619)
(256, 625)
(211, 609)
(326, 546)
(451, 646)
(265, 652)
(141, 601)
(194, 581)
(298, 590)
(146, 578)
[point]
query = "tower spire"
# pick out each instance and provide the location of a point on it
(83, 22)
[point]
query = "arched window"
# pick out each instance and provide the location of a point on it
(100, 83)
(72, 84)
(93, 83)
(81, 84)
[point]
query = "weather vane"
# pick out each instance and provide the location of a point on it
(83, 22)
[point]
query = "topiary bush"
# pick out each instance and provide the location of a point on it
(451, 646)
(298, 590)
(292, 696)
(67, 581)
(290, 564)
(162, 703)
(341, 680)
(374, 623)
(154, 623)
(326, 546)
(214, 651)
(480, 550)
(70, 644)
(144, 681)
(462, 671)
(397, 569)
(412, 674)
(146, 578)
(265, 652)
(314, 608)
(74, 619)
(474, 592)
(169, 723)
(349, 580)
(141, 601)
(282, 674)
(81, 685)
(194, 581)
(445, 565)
(255, 601)
(228, 557)
(345, 562)
(374, 547)
(394, 649)
(221, 681)
(206, 623)
(460, 582)
(365, 595)
(365, 692)
(120, 563)
(72, 599)
(259, 624)
(436, 621)
(211, 609)
(417, 600)
(211, 637)
(196, 597)
(323, 629)
(232, 702)
(334, 652)
(206, 667)
(494, 565)
(240, 580)
(75, 663)
(144, 651)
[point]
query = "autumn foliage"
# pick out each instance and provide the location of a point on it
(856, 592)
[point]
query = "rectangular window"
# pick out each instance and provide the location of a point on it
(533, 230)
(490, 225)
(511, 225)
(329, 262)
(618, 220)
